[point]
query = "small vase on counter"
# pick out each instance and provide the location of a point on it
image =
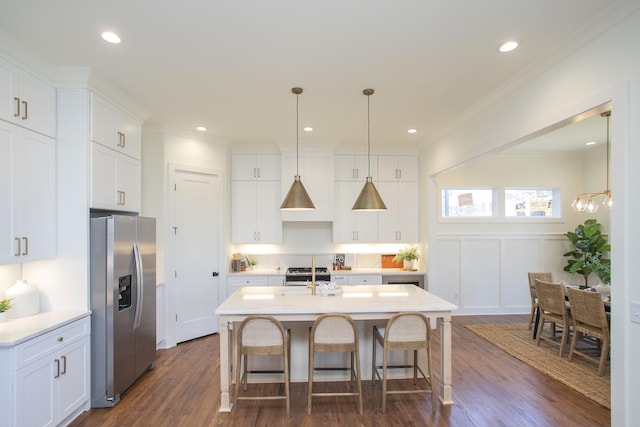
(25, 299)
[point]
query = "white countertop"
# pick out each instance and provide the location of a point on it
(275, 272)
(354, 299)
(16, 331)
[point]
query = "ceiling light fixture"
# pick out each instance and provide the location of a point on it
(297, 198)
(110, 37)
(412, 131)
(591, 207)
(369, 198)
(201, 128)
(508, 46)
(308, 129)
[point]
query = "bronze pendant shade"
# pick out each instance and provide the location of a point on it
(297, 198)
(369, 198)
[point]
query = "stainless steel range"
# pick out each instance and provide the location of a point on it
(298, 276)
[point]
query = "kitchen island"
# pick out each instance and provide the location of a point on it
(365, 303)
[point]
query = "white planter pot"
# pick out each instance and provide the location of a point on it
(408, 265)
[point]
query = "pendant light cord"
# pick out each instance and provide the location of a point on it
(368, 137)
(608, 150)
(297, 133)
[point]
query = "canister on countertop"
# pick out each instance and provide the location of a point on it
(25, 299)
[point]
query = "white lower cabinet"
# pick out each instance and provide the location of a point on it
(52, 376)
(356, 279)
(237, 282)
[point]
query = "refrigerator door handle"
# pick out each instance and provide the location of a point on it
(139, 285)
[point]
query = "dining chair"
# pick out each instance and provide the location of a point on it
(532, 293)
(405, 331)
(553, 308)
(336, 333)
(261, 336)
(590, 319)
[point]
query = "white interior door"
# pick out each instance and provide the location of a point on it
(196, 234)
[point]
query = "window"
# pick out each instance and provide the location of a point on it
(531, 202)
(468, 202)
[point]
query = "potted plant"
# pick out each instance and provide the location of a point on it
(5, 305)
(588, 254)
(407, 256)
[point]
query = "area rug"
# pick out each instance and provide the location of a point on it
(579, 374)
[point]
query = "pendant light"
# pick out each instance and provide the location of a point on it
(297, 198)
(590, 206)
(369, 198)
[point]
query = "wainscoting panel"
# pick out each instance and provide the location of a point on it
(488, 274)
(480, 273)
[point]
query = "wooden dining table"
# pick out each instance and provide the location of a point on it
(364, 303)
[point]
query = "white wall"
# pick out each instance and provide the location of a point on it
(607, 69)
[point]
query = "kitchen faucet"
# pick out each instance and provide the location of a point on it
(313, 276)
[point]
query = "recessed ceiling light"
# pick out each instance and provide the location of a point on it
(201, 128)
(412, 130)
(308, 129)
(590, 143)
(508, 46)
(110, 37)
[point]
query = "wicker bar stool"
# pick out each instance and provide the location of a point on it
(406, 331)
(261, 336)
(589, 318)
(335, 332)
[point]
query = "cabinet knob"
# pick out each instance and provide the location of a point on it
(60, 339)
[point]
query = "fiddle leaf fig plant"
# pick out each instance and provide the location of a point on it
(588, 254)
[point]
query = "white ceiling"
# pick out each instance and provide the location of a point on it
(230, 65)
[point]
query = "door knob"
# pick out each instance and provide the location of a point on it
(216, 274)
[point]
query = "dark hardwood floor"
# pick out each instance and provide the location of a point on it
(490, 388)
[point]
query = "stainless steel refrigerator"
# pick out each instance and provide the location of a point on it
(123, 304)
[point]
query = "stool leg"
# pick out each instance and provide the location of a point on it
(384, 380)
(373, 357)
(310, 382)
(359, 382)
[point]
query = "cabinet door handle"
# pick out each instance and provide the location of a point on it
(26, 246)
(57, 375)
(19, 246)
(120, 139)
(25, 116)
(17, 113)
(122, 198)
(64, 365)
(258, 173)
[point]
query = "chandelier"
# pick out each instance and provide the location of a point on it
(584, 202)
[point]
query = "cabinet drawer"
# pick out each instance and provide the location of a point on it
(33, 349)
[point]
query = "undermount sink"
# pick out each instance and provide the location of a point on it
(296, 290)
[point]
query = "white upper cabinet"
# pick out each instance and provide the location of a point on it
(398, 168)
(27, 195)
(249, 167)
(114, 129)
(352, 226)
(350, 167)
(115, 158)
(26, 100)
(255, 198)
(115, 180)
(400, 222)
